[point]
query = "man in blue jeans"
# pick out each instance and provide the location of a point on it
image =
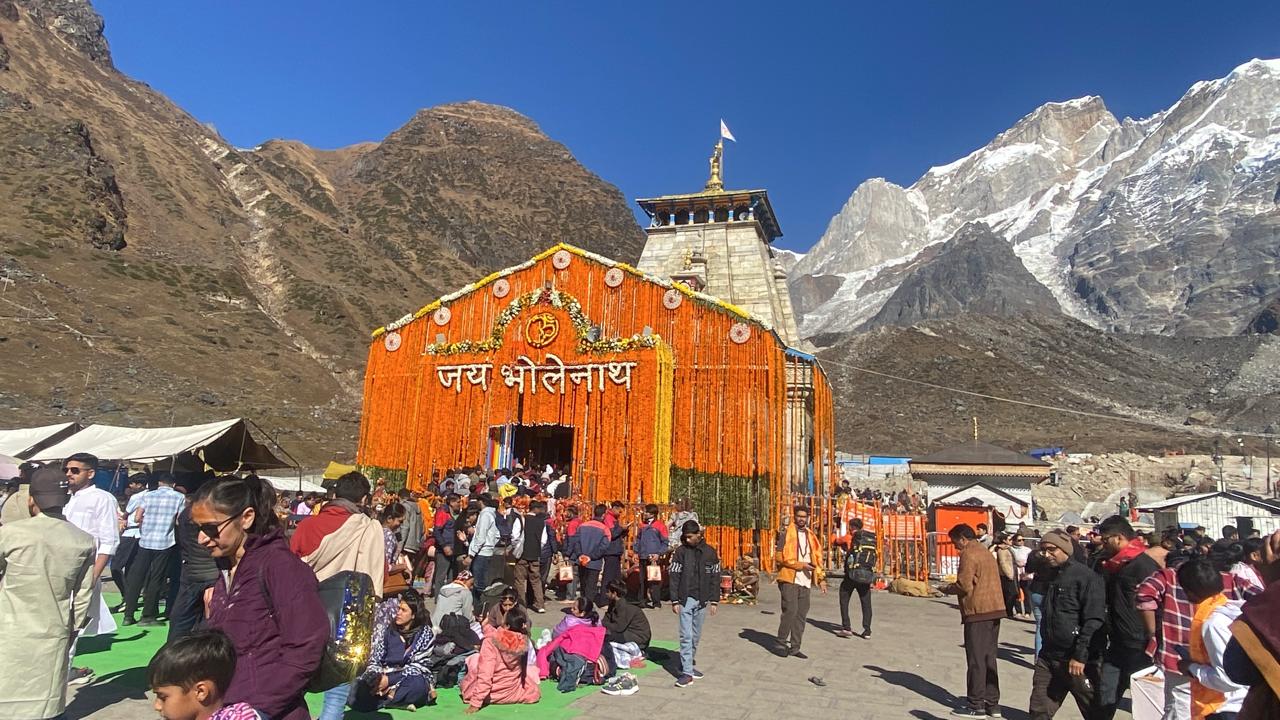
(694, 574)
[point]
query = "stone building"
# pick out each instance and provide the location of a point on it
(719, 242)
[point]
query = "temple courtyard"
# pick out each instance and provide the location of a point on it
(911, 667)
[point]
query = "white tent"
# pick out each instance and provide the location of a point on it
(16, 442)
(293, 485)
(225, 445)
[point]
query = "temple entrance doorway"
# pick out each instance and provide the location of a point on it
(541, 445)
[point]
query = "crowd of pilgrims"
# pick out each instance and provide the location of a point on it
(241, 569)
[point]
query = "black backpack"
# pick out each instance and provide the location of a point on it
(349, 602)
(860, 562)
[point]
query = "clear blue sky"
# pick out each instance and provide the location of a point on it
(820, 98)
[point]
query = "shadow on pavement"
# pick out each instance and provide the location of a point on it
(764, 640)
(916, 684)
(825, 626)
(102, 643)
(107, 690)
(1010, 656)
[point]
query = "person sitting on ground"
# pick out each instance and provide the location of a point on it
(189, 678)
(500, 673)
(625, 625)
(496, 617)
(454, 598)
(455, 640)
(575, 646)
(399, 672)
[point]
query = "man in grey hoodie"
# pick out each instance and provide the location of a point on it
(484, 544)
(454, 598)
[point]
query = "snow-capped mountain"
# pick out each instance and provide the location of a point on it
(1167, 225)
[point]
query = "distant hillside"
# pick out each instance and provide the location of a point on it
(154, 274)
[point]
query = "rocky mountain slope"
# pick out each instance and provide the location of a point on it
(152, 273)
(1164, 225)
(973, 272)
(1175, 388)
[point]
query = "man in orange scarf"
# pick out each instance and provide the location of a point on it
(1213, 694)
(800, 568)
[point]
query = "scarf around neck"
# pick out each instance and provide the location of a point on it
(1135, 548)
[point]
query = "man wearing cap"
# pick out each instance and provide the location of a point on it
(15, 506)
(46, 584)
(1073, 610)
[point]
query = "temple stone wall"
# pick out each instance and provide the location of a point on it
(736, 266)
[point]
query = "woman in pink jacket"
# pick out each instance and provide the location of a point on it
(500, 674)
(575, 645)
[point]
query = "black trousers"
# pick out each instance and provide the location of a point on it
(1053, 681)
(1009, 587)
(588, 582)
(146, 577)
(612, 571)
(981, 640)
(125, 552)
(1117, 665)
(187, 612)
(847, 589)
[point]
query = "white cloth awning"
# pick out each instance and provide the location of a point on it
(226, 445)
(293, 485)
(14, 442)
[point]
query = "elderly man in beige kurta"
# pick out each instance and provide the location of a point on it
(46, 582)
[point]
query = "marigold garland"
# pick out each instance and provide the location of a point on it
(700, 403)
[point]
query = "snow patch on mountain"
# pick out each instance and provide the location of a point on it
(1123, 221)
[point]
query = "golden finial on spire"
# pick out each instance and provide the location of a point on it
(716, 183)
(975, 427)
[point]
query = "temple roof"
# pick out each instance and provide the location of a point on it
(976, 452)
(764, 210)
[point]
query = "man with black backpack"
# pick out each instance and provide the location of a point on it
(859, 574)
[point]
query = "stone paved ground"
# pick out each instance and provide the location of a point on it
(910, 668)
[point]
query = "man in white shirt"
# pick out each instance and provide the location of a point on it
(94, 511)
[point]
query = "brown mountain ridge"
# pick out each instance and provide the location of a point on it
(153, 273)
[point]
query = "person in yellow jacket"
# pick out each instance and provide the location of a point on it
(800, 569)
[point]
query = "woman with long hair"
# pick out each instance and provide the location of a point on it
(575, 646)
(399, 672)
(500, 674)
(397, 569)
(266, 600)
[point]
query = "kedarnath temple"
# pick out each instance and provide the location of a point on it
(676, 379)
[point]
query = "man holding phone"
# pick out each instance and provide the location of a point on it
(1074, 609)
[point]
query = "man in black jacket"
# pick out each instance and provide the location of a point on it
(623, 622)
(694, 575)
(1126, 565)
(1074, 610)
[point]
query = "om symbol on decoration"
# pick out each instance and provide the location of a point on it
(541, 329)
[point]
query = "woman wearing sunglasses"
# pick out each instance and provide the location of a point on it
(266, 600)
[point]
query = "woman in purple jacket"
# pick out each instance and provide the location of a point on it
(266, 600)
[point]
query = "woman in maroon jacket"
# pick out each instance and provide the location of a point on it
(266, 599)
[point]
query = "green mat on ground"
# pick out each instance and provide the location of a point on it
(124, 656)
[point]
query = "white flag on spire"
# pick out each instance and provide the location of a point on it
(724, 132)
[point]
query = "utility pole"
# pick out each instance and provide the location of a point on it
(1269, 432)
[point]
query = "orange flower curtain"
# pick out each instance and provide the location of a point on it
(708, 388)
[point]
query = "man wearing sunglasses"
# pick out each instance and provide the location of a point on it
(94, 511)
